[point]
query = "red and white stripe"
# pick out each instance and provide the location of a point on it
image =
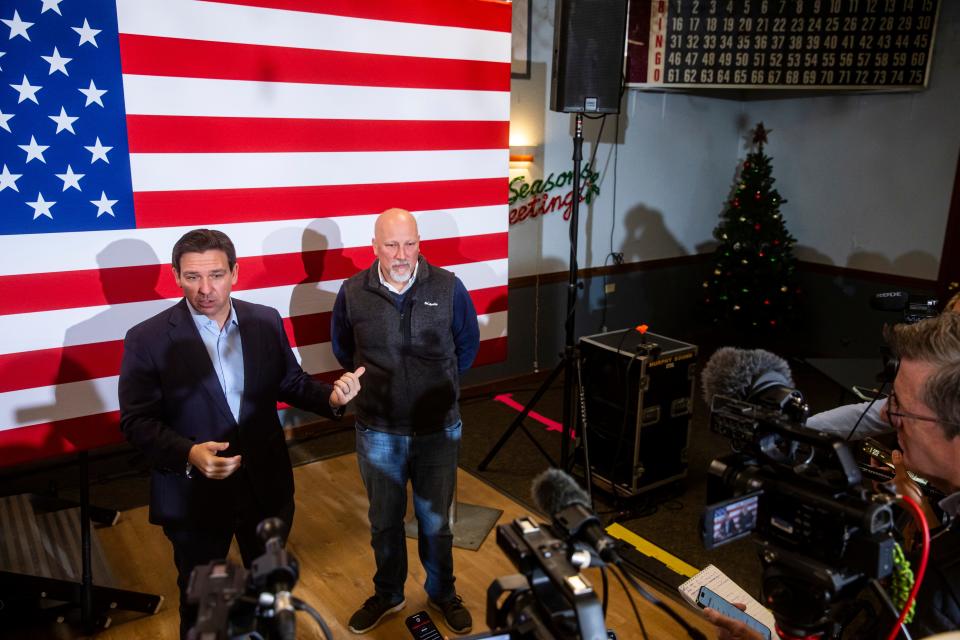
(287, 124)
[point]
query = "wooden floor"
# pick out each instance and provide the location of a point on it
(332, 543)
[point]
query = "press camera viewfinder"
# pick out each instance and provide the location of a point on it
(730, 520)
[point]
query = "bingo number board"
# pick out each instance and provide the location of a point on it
(781, 44)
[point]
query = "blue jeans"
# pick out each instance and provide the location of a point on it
(429, 462)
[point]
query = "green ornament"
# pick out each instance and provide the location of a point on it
(902, 582)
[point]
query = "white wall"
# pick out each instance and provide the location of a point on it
(868, 177)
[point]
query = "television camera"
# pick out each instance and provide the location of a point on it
(550, 599)
(233, 602)
(821, 535)
(914, 307)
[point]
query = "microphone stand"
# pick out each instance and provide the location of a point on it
(570, 357)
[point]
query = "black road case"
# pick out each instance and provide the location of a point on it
(639, 400)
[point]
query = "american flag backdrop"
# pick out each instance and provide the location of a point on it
(287, 124)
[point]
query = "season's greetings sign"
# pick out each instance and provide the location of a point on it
(540, 198)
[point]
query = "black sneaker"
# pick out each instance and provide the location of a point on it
(375, 609)
(454, 614)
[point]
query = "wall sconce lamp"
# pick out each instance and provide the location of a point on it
(521, 156)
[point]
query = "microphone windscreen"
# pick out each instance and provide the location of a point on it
(553, 491)
(735, 372)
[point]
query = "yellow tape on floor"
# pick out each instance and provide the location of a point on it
(647, 548)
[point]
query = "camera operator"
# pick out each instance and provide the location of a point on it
(924, 410)
(840, 420)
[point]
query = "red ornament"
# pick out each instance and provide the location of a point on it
(756, 196)
(776, 242)
(761, 254)
(766, 302)
(757, 226)
(736, 203)
(773, 323)
(746, 164)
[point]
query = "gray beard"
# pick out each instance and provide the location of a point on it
(400, 277)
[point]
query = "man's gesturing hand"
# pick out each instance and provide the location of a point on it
(204, 459)
(346, 387)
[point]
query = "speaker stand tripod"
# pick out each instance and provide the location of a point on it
(570, 360)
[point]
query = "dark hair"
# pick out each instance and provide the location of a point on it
(200, 240)
(936, 341)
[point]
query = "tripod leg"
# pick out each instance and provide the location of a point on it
(100, 515)
(518, 422)
(86, 575)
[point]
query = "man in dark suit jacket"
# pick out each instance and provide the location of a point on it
(199, 387)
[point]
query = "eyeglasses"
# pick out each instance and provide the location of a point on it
(897, 415)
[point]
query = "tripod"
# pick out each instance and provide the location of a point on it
(569, 361)
(47, 583)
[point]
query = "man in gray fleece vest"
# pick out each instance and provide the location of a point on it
(414, 328)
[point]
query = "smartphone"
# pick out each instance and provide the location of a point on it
(707, 598)
(422, 628)
(875, 449)
(730, 520)
(882, 454)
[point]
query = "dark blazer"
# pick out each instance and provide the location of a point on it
(170, 399)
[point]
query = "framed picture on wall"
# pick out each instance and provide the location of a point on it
(520, 59)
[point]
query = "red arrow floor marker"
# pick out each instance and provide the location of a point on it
(552, 425)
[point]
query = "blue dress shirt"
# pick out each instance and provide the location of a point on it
(226, 353)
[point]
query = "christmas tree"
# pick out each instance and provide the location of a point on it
(751, 285)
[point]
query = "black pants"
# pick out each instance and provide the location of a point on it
(193, 547)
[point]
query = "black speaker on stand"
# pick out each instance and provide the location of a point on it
(588, 59)
(588, 55)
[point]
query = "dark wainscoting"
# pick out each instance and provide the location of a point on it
(834, 316)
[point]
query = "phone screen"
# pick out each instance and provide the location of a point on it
(422, 628)
(707, 598)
